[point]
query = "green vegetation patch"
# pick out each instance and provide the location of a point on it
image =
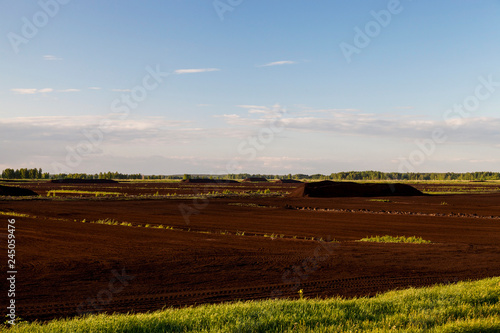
(461, 307)
(16, 214)
(96, 193)
(397, 239)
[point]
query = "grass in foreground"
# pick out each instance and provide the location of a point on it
(462, 307)
(397, 239)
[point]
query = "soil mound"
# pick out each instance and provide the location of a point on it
(288, 181)
(83, 181)
(14, 191)
(329, 189)
(255, 179)
(210, 181)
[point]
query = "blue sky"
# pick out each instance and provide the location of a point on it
(250, 86)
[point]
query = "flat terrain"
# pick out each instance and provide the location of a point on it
(251, 246)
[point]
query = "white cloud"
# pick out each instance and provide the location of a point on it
(31, 91)
(51, 57)
(482, 130)
(255, 108)
(273, 111)
(196, 70)
(279, 63)
(69, 129)
(489, 160)
(24, 91)
(332, 111)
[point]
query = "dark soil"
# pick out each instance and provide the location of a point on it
(83, 181)
(237, 248)
(15, 191)
(255, 179)
(210, 181)
(329, 189)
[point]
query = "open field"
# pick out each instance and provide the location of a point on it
(461, 307)
(252, 246)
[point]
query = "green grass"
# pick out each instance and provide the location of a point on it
(380, 200)
(462, 307)
(397, 239)
(104, 221)
(16, 214)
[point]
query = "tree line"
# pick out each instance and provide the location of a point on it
(25, 173)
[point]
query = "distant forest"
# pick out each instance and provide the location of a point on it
(25, 173)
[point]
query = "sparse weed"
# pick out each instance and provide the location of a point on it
(16, 214)
(106, 221)
(380, 200)
(96, 193)
(397, 239)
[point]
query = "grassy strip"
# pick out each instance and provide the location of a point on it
(16, 214)
(397, 239)
(462, 307)
(96, 193)
(108, 221)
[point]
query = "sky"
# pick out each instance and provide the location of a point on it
(250, 86)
